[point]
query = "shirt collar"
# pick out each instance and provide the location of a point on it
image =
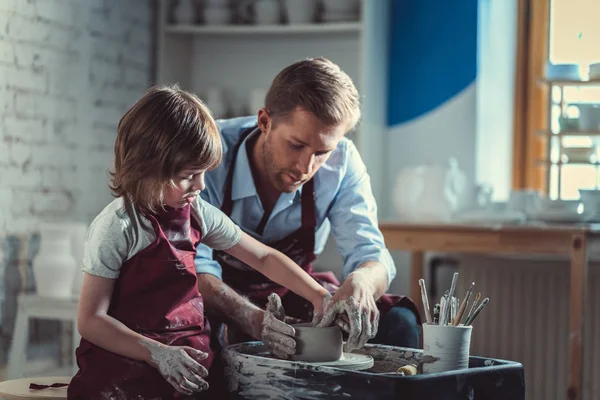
(243, 181)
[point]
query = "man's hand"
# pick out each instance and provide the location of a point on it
(354, 309)
(277, 336)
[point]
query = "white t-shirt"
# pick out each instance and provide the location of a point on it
(120, 231)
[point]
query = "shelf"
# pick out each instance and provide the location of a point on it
(568, 133)
(568, 82)
(230, 30)
(560, 163)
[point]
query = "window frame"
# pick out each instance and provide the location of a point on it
(531, 98)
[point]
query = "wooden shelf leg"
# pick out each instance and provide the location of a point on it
(579, 272)
(416, 272)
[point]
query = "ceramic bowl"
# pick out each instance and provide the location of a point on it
(300, 11)
(589, 117)
(578, 154)
(594, 72)
(590, 199)
(341, 6)
(317, 344)
(217, 16)
(563, 71)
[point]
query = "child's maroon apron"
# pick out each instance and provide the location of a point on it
(157, 296)
(299, 246)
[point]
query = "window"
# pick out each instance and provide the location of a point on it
(557, 125)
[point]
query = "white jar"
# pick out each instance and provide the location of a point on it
(215, 100)
(185, 12)
(54, 266)
(300, 11)
(256, 100)
(77, 232)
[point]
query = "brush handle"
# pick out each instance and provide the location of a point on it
(461, 310)
(476, 313)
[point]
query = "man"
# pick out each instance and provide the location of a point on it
(288, 177)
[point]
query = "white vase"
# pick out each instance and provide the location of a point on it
(185, 13)
(54, 266)
(77, 233)
(428, 193)
(300, 11)
(215, 100)
(256, 100)
(267, 12)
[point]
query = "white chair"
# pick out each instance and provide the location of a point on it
(34, 306)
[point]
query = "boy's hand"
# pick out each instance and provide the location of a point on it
(277, 336)
(180, 366)
(319, 309)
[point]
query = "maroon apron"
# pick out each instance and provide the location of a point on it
(300, 247)
(157, 296)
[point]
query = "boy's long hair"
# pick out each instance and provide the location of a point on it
(163, 133)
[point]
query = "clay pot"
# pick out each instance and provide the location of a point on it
(317, 344)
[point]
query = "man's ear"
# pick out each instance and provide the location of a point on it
(264, 120)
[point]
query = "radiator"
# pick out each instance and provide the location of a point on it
(527, 320)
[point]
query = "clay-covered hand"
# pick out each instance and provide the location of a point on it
(179, 365)
(277, 336)
(319, 309)
(354, 309)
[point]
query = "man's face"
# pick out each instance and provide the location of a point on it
(294, 149)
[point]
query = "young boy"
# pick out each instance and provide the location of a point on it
(141, 317)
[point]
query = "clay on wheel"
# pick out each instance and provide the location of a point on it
(317, 344)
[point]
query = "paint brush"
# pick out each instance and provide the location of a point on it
(425, 300)
(477, 311)
(444, 305)
(450, 296)
(456, 307)
(463, 306)
(436, 313)
(474, 305)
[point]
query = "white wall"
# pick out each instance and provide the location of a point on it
(68, 70)
(447, 131)
(475, 126)
(375, 48)
(497, 57)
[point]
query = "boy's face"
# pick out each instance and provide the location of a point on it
(186, 186)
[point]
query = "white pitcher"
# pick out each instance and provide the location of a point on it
(429, 193)
(77, 232)
(54, 266)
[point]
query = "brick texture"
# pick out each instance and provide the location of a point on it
(68, 70)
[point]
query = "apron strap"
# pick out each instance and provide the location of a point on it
(309, 215)
(227, 205)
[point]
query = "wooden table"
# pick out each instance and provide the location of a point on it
(573, 240)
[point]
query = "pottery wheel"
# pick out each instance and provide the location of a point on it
(18, 389)
(350, 361)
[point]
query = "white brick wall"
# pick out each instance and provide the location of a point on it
(68, 70)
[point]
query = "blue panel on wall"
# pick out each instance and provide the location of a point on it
(433, 55)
